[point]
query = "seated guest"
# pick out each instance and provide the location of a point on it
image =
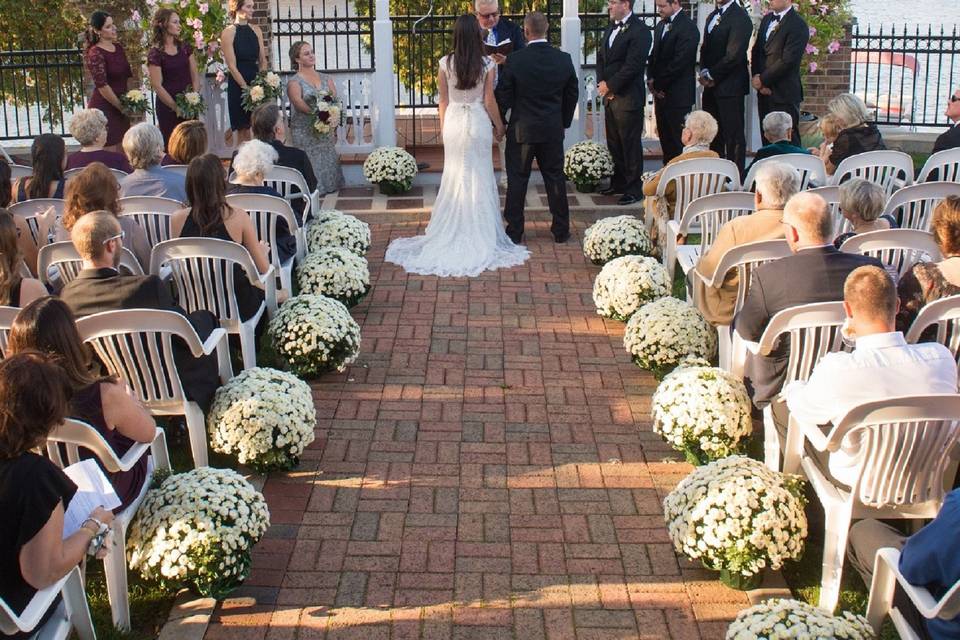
(268, 126)
(930, 559)
(253, 161)
(776, 183)
(100, 287)
(699, 130)
(188, 141)
(829, 128)
(950, 139)
(107, 405)
(209, 216)
(143, 145)
(89, 127)
(929, 281)
(815, 273)
(857, 133)
(34, 492)
(882, 366)
(15, 290)
(6, 185)
(48, 157)
(861, 203)
(96, 189)
(778, 129)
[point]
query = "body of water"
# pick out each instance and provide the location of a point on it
(885, 12)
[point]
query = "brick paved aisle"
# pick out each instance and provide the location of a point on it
(486, 469)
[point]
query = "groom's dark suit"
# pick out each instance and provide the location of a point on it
(539, 85)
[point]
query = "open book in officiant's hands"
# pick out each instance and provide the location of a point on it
(502, 48)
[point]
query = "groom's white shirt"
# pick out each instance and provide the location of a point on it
(536, 41)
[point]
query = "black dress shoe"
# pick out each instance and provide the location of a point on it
(561, 239)
(610, 191)
(627, 199)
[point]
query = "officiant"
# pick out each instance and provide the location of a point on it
(497, 28)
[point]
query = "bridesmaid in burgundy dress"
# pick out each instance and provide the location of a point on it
(108, 65)
(173, 69)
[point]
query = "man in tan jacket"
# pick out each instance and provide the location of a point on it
(776, 183)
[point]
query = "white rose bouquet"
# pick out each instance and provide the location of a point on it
(264, 416)
(628, 282)
(586, 164)
(197, 529)
(190, 105)
(332, 228)
(392, 168)
(265, 87)
(613, 237)
(738, 517)
(327, 112)
(662, 333)
(136, 102)
(792, 619)
(702, 411)
(336, 273)
(314, 334)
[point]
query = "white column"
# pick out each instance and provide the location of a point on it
(571, 41)
(381, 107)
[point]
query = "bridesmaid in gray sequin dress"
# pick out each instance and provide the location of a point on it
(321, 149)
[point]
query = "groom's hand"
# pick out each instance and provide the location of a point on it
(499, 58)
(603, 89)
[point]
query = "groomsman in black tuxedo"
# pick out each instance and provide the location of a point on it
(621, 63)
(671, 74)
(725, 76)
(777, 54)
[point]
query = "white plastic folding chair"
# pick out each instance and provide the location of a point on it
(151, 213)
(912, 207)
(7, 316)
(905, 458)
(811, 169)
(18, 171)
(136, 346)
(831, 193)
(30, 209)
(117, 173)
(291, 184)
(692, 179)
(744, 258)
(943, 166)
(891, 170)
(66, 263)
(266, 211)
(813, 331)
(886, 576)
(945, 315)
(708, 213)
(202, 270)
(177, 168)
(72, 435)
(72, 614)
(897, 249)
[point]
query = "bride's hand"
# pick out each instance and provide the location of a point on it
(499, 133)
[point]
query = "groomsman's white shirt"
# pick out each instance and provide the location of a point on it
(774, 24)
(616, 31)
(719, 15)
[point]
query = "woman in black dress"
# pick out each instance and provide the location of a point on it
(244, 54)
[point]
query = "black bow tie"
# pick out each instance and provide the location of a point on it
(618, 24)
(776, 18)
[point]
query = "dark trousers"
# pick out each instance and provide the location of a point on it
(625, 141)
(670, 120)
(200, 377)
(549, 157)
(731, 141)
(766, 104)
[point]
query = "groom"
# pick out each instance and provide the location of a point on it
(539, 84)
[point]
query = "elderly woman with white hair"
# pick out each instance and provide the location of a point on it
(89, 127)
(252, 163)
(862, 203)
(778, 129)
(143, 145)
(699, 130)
(857, 133)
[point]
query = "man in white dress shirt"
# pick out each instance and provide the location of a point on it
(882, 366)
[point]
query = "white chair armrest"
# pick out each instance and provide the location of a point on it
(886, 574)
(752, 347)
(134, 453)
(218, 340)
(213, 340)
(38, 605)
(814, 434)
(159, 451)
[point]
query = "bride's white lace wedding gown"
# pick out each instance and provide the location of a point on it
(465, 235)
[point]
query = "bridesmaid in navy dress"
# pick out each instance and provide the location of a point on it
(110, 70)
(173, 69)
(243, 51)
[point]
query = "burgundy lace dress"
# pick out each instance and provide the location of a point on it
(175, 72)
(111, 69)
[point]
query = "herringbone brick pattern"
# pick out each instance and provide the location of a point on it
(486, 470)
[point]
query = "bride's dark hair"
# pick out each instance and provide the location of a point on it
(467, 52)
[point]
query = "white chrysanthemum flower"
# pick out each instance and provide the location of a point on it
(628, 282)
(587, 162)
(392, 165)
(661, 334)
(794, 620)
(332, 228)
(334, 272)
(613, 237)
(315, 334)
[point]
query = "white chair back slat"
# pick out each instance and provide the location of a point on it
(831, 193)
(697, 178)
(180, 169)
(810, 167)
(290, 184)
(814, 331)
(151, 213)
(117, 173)
(745, 258)
(897, 249)
(713, 211)
(943, 166)
(912, 207)
(63, 258)
(30, 209)
(944, 314)
(266, 211)
(888, 169)
(18, 171)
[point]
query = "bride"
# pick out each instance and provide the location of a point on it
(465, 235)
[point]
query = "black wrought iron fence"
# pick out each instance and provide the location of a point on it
(341, 37)
(906, 74)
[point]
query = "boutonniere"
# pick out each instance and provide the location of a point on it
(623, 29)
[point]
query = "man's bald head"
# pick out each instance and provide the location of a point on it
(808, 216)
(92, 231)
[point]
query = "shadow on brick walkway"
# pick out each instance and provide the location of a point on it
(486, 469)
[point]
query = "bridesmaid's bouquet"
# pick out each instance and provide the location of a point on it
(264, 88)
(190, 105)
(327, 112)
(135, 102)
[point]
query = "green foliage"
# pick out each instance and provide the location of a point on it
(827, 20)
(201, 22)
